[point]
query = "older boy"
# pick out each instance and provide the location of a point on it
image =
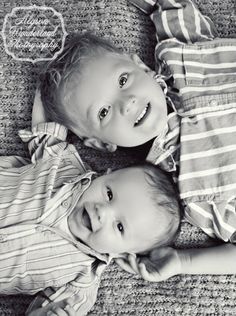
(61, 224)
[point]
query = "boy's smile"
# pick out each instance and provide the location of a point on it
(117, 101)
(116, 214)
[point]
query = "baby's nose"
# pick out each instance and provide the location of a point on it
(102, 213)
(127, 105)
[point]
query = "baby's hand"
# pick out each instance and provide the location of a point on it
(129, 264)
(159, 265)
(68, 310)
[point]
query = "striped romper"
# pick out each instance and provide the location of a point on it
(37, 251)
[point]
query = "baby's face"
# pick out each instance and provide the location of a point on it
(118, 101)
(116, 214)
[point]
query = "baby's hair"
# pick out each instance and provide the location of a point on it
(60, 73)
(164, 194)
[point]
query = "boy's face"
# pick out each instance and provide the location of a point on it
(116, 214)
(117, 101)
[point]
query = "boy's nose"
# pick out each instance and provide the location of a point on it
(127, 104)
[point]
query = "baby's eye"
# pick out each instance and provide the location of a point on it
(109, 194)
(103, 112)
(120, 227)
(123, 79)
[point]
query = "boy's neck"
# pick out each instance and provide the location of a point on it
(139, 152)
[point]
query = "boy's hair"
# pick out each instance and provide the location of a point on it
(164, 194)
(62, 72)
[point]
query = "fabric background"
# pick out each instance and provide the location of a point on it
(119, 293)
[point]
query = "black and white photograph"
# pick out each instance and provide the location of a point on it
(118, 158)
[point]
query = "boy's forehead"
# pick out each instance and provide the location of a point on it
(106, 64)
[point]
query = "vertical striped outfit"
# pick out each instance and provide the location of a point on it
(199, 142)
(37, 250)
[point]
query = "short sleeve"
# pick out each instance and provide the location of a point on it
(216, 218)
(43, 137)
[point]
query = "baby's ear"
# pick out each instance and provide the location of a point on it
(96, 143)
(141, 64)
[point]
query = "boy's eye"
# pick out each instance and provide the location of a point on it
(120, 227)
(123, 79)
(103, 112)
(109, 194)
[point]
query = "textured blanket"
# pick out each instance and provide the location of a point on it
(119, 293)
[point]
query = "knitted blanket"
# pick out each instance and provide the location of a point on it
(120, 293)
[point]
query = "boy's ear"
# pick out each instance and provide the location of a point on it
(96, 143)
(141, 64)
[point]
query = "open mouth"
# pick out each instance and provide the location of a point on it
(86, 220)
(143, 115)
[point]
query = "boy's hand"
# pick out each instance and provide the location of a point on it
(38, 112)
(63, 308)
(58, 311)
(159, 265)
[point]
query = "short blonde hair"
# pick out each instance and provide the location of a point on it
(78, 51)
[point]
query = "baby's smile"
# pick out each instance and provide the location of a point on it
(86, 219)
(109, 215)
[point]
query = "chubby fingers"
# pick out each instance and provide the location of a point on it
(56, 310)
(70, 310)
(130, 264)
(149, 276)
(125, 266)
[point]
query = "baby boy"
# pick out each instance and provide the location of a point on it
(61, 224)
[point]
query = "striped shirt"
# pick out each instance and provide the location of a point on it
(37, 250)
(199, 142)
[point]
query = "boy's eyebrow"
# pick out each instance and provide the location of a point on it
(89, 113)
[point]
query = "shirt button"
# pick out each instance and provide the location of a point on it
(181, 111)
(84, 181)
(65, 204)
(172, 148)
(213, 102)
